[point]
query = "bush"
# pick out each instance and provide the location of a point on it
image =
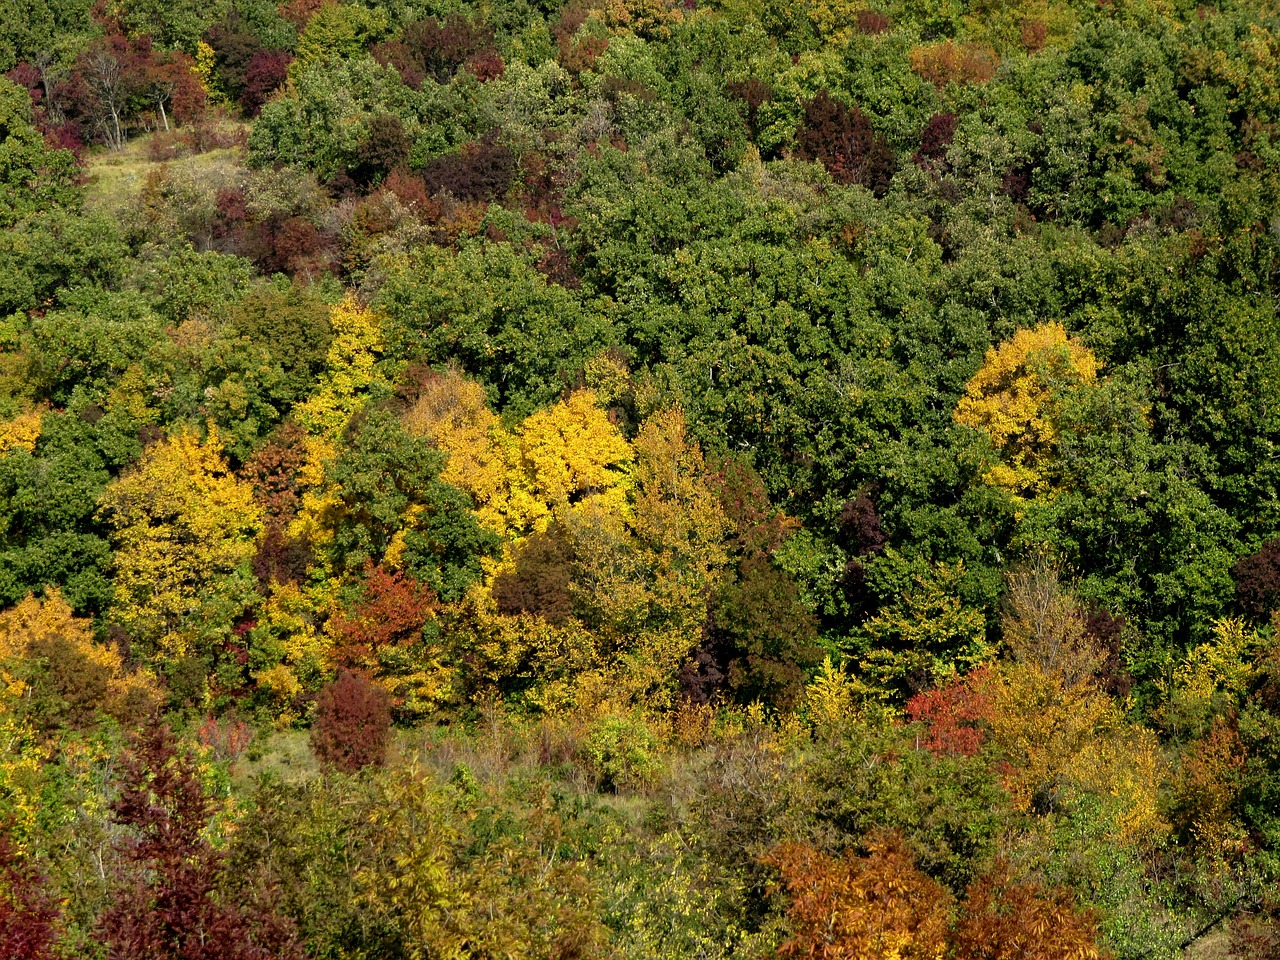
(621, 753)
(353, 724)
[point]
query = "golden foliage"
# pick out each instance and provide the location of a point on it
(20, 433)
(1215, 673)
(566, 454)
(829, 699)
(1057, 739)
(1014, 399)
(950, 62)
(88, 676)
(185, 529)
(351, 372)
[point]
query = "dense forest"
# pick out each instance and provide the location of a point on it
(639, 479)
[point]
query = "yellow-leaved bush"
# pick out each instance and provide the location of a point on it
(20, 433)
(519, 479)
(639, 524)
(184, 529)
(1015, 399)
(1058, 740)
(83, 675)
(350, 379)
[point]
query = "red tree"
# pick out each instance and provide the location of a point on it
(953, 715)
(353, 724)
(28, 913)
(166, 906)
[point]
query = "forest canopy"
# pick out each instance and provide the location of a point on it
(639, 479)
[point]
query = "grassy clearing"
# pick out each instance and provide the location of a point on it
(116, 177)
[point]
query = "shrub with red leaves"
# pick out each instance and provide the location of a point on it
(28, 913)
(166, 907)
(1257, 579)
(482, 170)
(266, 71)
(842, 140)
(953, 714)
(352, 728)
(935, 140)
(873, 22)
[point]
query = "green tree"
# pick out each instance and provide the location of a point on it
(32, 176)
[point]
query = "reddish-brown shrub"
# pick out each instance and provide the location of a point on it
(1033, 34)
(166, 904)
(352, 728)
(429, 48)
(28, 912)
(953, 714)
(861, 906)
(873, 22)
(486, 65)
(1003, 920)
(274, 470)
(540, 582)
(1257, 579)
(393, 612)
(226, 738)
(482, 170)
(842, 140)
(266, 71)
(935, 140)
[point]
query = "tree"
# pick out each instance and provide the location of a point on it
(843, 140)
(185, 530)
(29, 913)
(68, 677)
(1002, 919)
(167, 905)
(32, 176)
(352, 727)
(388, 635)
(859, 908)
(1015, 400)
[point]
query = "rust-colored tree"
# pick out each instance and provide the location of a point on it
(388, 635)
(1006, 920)
(860, 908)
(954, 714)
(352, 728)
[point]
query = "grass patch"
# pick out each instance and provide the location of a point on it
(285, 754)
(116, 177)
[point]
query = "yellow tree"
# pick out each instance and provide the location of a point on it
(185, 530)
(72, 676)
(1015, 399)
(558, 457)
(1058, 741)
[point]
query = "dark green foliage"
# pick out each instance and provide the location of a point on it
(48, 499)
(33, 178)
(763, 635)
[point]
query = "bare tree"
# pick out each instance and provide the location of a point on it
(108, 88)
(1044, 624)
